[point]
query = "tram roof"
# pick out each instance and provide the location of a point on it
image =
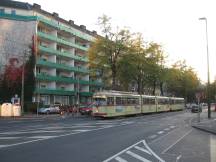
(115, 93)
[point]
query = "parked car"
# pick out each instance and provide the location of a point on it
(196, 108)
(86, 109)
(49, 110)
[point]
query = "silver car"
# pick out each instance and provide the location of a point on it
(49, 110)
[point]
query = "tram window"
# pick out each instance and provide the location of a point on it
(110, 101)
(118, 101)
(100, 101)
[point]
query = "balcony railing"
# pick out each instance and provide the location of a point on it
(61, 66)
(53, 91)
(40, 76)
(59, 40)
(64, 54)
(66, 29)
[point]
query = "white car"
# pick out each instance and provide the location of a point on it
(49, 110)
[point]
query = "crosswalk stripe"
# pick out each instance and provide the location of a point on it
(119, 159)
(142, 149)
(137, 156)
(43, 137)
(1, 146)
(7, 138)
(160, 132)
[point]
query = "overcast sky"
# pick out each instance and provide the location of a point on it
(172, 23)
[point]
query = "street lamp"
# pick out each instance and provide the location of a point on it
(208, 75)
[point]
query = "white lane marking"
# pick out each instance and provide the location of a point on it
(137, 156)
(1, 146)
(176, 142)
(29, 132)
(63, 135)
(43, 137)
(155, 140)
(132, 146)
(178, 158)
(112, 157)
(119, 159)
(142, 149)
(152, 152)
(166, 129)
(172, 126)
(153, 136)
(81, 130)
(160, 132)
(7, 138)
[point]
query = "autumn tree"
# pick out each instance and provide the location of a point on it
(108, 49)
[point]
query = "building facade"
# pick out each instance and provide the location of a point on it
(60, 49)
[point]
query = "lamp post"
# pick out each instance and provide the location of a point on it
(208, 75)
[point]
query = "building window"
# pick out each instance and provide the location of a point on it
(2, 11)
(13, 12)
(45, 99)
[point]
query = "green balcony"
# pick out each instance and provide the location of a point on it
(86, 94)
(63, 54)
(18, 17)
(61, 66)
(66, 29)
(61, 41)
(55, 78)
(53, 91)
(45, 77)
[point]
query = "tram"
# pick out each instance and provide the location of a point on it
(118, 103)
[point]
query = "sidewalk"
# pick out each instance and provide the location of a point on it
(207, 125)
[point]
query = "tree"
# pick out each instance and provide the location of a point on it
(106, 51)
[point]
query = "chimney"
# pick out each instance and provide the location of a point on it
(71, 22)
(55, 14)
(36, 6)
(83, 27)
(94, 32)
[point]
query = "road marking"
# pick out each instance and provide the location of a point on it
(134, 146)
(137, 156)
(142, 149)
(1, 146)
(166, 129)
(7, 138)
(119, 159)
(172, 126)
(153, 136)
(152, 152)
(178, 158)
(43, 137)
(176, 142)
(81, 130)
(160, 132)
(155, 140)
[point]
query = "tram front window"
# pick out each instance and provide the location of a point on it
(100, 101)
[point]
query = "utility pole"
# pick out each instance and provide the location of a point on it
(208, 73)
(23, 82)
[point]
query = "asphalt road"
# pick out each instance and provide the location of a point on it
(156, 137)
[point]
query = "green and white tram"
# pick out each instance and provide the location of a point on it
(116, 103)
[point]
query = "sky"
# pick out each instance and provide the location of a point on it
(174, 24)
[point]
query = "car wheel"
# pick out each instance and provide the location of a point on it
(47, 112)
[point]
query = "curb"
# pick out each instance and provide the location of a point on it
(204, 129)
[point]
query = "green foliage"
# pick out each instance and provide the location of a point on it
(124, 61)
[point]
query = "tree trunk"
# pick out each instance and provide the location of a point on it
(154, 87)
(114, 87)
(161, 88)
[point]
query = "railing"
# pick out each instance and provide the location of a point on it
(61, 41)
(46, 77)
(66, 29)
(61, 66)
(18, 17)
(64, 54)
(53, 91)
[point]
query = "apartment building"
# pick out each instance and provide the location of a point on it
(61, 68)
